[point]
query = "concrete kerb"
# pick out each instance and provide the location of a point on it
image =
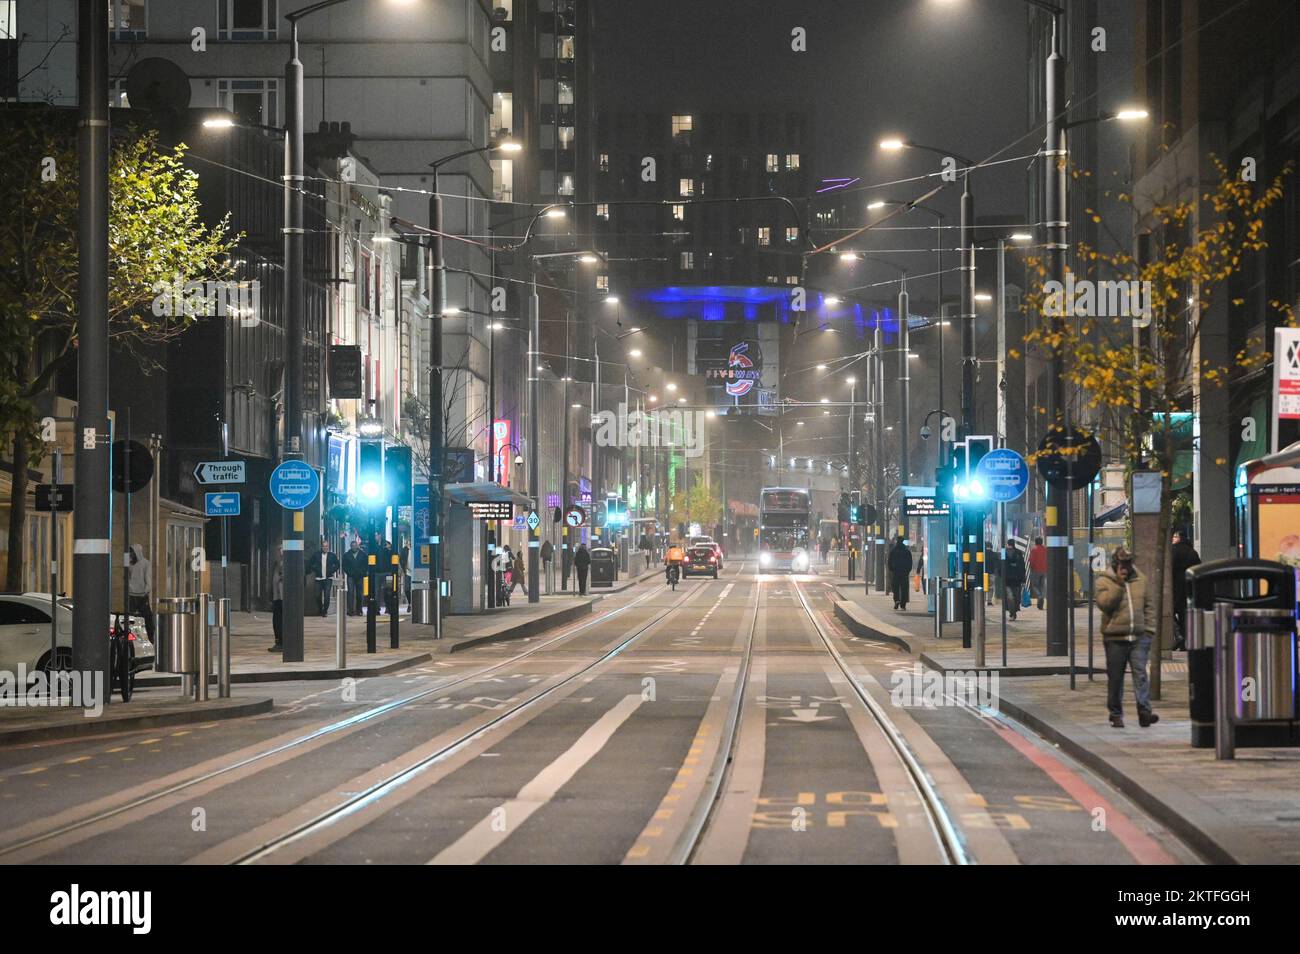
(294, 675)
(529, 627)
(866, 626)
(184, 714)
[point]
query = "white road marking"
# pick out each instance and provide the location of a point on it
(479, 841)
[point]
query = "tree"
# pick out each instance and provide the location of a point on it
(697, 505)
(157, 238)
(1133, 371)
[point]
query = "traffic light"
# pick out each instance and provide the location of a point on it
(867, 515)
(397, 475)
(855, 507)
(370, 475)
(969, 488)
(843, 512)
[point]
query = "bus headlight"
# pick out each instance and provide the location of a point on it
(765, 559)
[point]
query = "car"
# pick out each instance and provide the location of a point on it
(710, 542)
(701, 559)
(25, 633)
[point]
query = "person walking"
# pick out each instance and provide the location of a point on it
(1128, 622)
(993, 567)
(581, 562)
(647, 548)
(324, 565)
(139, 578)
(548, 558)
(504, 567)
(354, 568)
(1013, 578)
(383, 554)
(1183, 557)
(517, 576)
(1038, 570)
(900, 568)
(277, 601)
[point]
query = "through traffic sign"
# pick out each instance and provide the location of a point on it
(220, 472)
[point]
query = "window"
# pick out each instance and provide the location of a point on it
(687, 261)
(602, 282)
(503, 114)
(792, 279)
(773, 162)
(566, 184)
(566, 134)
(764, 235)
(792, 233)
(363, 272)
(604, 162)
(682, 126)
(566, 93)
(679, 213)
(247, 19)
(566, 48)
(503, 180)
(708, 163)
(602, 210)
(503, 11)
(791, 161)
(126, 19)
(686, 187)
(252, 101)
(117, 98)
(15, 613)
(773, 280)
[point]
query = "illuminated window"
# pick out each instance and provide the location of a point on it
(126, 19)
(686, 187)
(792, 161)
(679, 213)
(688, 261)
(682, 126)
(764, 236)
(792, 279)
(602, 211)
(604, 162)
(792, 234)
(773, 162)
(602, 282)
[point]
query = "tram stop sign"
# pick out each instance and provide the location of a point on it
(1069, 457)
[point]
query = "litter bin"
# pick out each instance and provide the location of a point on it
(421, 603)
(176, 635)
(604, 566)
(1240, 584)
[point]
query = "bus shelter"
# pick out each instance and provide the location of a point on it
(468, 561)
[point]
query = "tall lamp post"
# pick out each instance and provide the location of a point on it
(438, 304)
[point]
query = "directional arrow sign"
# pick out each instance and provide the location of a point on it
(806, 715)
(221, 504)
(220, 472)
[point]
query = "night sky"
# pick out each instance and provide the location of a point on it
(949, 73)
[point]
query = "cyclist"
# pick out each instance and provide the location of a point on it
(674, 560)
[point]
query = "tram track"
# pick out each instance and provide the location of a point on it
(71, 821)
(948, 839)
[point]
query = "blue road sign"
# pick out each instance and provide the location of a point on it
(420, 526)
(221, 504)
(1005, 474)
(294, 485)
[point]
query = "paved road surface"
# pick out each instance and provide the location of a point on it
(728, 721)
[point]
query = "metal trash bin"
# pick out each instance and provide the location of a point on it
(421, 603)
(1234, 583)
(176, 635)
(604, 566)
(1265, 652)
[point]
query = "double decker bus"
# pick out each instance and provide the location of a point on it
(784, 515)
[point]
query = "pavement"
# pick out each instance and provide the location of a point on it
(156, 704)
(1232, 812)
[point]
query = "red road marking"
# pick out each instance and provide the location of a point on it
(1144, 849)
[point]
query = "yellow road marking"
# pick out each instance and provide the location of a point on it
(79, 758)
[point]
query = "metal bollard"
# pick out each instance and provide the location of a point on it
(394, 603)
(206, 606)
(341, 622)
(936, 587)
(372, 610)
(1225, 690)
(977, 606)
(223, 648)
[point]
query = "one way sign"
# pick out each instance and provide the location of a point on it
(220, 472)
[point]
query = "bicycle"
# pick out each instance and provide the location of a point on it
(674, 574)
(121, 659)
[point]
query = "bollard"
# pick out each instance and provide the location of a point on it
(223, 648)
(341, 622)
(1224, 678)
(936, 587)
(977, 605)
(206, 606)
(368, 592)
(394, 604)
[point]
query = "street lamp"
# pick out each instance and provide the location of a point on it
(294, 308)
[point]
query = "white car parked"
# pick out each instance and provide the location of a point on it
(25, 632)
